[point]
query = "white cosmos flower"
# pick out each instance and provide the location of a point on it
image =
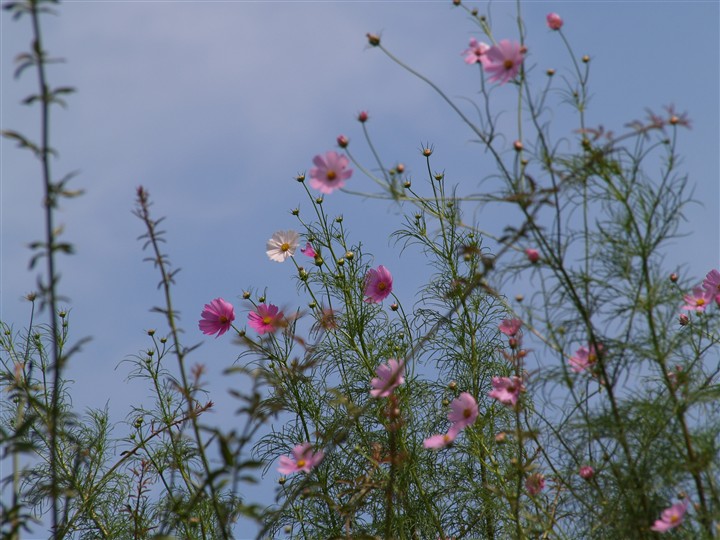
(282, 245)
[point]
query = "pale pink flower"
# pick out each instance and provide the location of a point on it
(266, 319)
(463, 411)
(303, 459)
(510, 327)
(330, 172)
(308, 250)
(217, 316)
(503, 60)
(698, 300)
(712, 284)
(282, 245)
(533, 255)
(670, 518)
(535, 483)
(378, 284)
(587, 472)
(389, 377)
(437, 442)
(554, 21)
(584, 359)
(476, 52)
(507, 389)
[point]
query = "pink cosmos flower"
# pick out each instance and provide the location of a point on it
(533, 255)
(437, 442)
(389, 377)
(282, 245)
(378, 284)
(698, 300)
(330, 172)
(670, 518)
(584, 359)
(217, 316)
(535, 483)
(510, 327)
(308, 250)
(503, 60)
(554, 21)
(507, 389)
(587, 472)
(476, 52)
(711, 284)
(303, 459)
(265, 319)
(463, 412)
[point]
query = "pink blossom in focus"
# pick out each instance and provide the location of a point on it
(265, 319)
(463, 412)
(503, 60)
(584, 359)
(510, 327)
(389, 377)
(587, 472)
(535, 483)
(217, 316)
(330, 172)
(670, 518)
(436, 442)
(282, 245)
(476, 52)
(554, 21)
(303, 459)
(698, 300)
(507, 389)
(378, 284)
(308, 250)
(533, 255)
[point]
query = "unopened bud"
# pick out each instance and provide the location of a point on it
(674, 277)
(342, 141)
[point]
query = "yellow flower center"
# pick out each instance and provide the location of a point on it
(222, 319)
(700, 301)
(285, 247)
(382, 286)
(331, 175)
(508, 64)
(446, 438)
(267, 319)
(301, 463)
(467, 413)
(592, 358)
(674, 518)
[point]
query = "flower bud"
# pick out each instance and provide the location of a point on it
(342, 141)
(587, 472)
(400, 168)
(684, 320)
(374, 41)
(362, 116)
(300, 178)
(585, 59)
(533, 255)
(394, 306)
(554, 21)
(550, 72)
(674, 277)
(349, 255)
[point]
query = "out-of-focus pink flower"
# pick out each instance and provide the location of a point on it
(303, 459)
(266, 319)
(698, 300)
(510, 327)
(330, 172)
(712, 285)
(554, 21)
(308, 250)
(217, 316)
(535, 483)
(476, 52)
(584, 358)
(587, 472)
(463, 411)
(389, 377)
(507, 389)
(436, 442)
(282, 245)
(683, 319)
(503, 60)
(670, 518)
(378, 284)
(533, 255)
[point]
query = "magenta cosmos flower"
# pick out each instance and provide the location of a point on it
(303, 459)
(510, 327)
(711, 284)
(265, 319)
(535, 483)
(330, 172)
(503, 60)
(217, 316)
(584, 359)
(554, 21)
(698, 300)
(670, 518)
(507, 389)
(476, 52)
(437, 442)
(308, 250)
(378, 284)
(389, 377)
(463, 412)
(282, 245)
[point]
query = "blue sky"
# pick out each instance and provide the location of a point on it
(214, 107)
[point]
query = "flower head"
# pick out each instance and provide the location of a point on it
(533, 255)
(698, 300)
(389, 377)
(510, 327)
(670, 518)
(308, 250)
(476, 52)
(378, 284)
(463, 412)
(554, 21)
(282, 245)
(330, 172)
(535, 483)
(266, 319)
(711, 284)
(217, 316)
(503, 60)
(584, 359)
(587, 472)
(507, 389)
(437, 442)
(303, 459)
